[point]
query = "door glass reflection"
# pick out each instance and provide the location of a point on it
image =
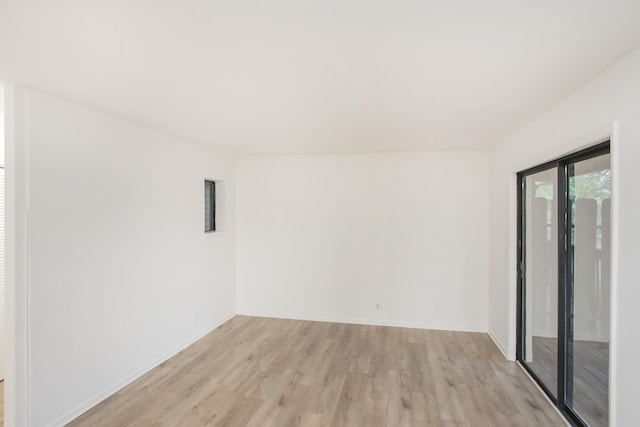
(589, 259)
(541, 280)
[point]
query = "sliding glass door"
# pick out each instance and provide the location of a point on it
(588, 285)
(564, 231)
(541, 276)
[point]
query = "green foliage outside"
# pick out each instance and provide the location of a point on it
(594, 185)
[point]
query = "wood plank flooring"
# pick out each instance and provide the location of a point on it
(273, 372)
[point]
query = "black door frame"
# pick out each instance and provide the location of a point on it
(564, 167)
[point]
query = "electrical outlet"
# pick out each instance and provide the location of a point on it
(195, 319)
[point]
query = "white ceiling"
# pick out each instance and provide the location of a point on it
(304, 76)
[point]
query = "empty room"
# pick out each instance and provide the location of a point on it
(319, 213)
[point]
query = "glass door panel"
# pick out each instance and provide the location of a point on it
(540, 350)
(564, 270)
(587, 391)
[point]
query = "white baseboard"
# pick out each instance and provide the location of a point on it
(498, 344)
(118, 385)
(371, 322)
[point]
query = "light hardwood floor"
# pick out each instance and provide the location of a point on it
(273, 372)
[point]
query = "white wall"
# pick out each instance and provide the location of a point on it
(329, 237)
(2, 236)
(607, 107)
(118, 261)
